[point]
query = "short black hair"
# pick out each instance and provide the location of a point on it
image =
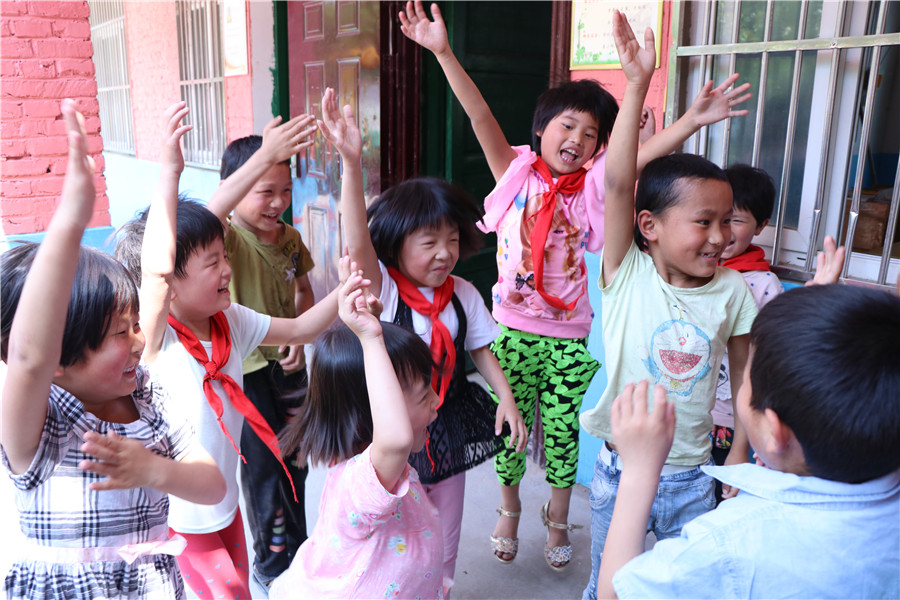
(422, 203)
(102, 290)
(826, 360)
(196, 227)
(585, 95)
(129, 239)
(238, 152)
(753, 190)
(336, 420)
(659, 189)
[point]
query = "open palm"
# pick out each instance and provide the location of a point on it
(637, 63)
(416, 25)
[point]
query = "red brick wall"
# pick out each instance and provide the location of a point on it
(45, 56)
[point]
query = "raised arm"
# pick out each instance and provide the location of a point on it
(638, 64)
(710, 106)
(158, 248)
(35, 339)
(280, 141)
(433, 35)
(343, 133)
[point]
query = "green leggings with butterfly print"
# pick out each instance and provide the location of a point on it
(556, 371)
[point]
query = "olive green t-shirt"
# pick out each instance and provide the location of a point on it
(263, 278)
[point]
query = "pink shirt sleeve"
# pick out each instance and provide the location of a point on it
(501, 198)
(595, 202)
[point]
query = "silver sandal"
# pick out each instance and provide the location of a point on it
(506, 545)
(562, 555)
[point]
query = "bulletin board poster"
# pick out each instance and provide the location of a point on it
(593, 46)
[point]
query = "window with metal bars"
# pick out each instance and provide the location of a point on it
(107, 20)
(202, 79)
(823, 121)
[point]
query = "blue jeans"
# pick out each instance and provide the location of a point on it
(679, 499)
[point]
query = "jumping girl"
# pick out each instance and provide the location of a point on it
(668, 311)
(85, 437)
(378, 535)
(419, 229)
(540, 298)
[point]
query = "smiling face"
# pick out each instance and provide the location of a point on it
(568, 141)
(203, 291)
(743, 228)
(687, 239)
(421, 401)
(428, 255)
(260, 211)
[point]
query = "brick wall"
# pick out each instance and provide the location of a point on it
(45, 56)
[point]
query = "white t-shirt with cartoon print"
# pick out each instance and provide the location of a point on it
(672, 336)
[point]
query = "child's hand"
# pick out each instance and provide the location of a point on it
(713, 105)
(643, 439)
(518, 433)
(172, 157)
(829, 263)
(354, 303)
(78, 192)
(126, 463)
(294, 359)
(342, 133)
(415, 25)
(281, 141)
(637, 63)
(648, 125)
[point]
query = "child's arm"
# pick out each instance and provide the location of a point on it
(279, 143)
(710, 106)
(433, 35)
(830, 263)
(343, 133)
(490, 369)
(638, 64)
(158, 248)
(128, 464)
(392, 434)
(35, 338)
(643, 440)
(738, 352)
(304, 299)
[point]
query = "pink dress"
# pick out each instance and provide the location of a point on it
(368, 542)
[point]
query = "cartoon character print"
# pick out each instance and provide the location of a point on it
(560, 256)
(678, 357)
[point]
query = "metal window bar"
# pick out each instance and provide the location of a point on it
(107, 20)
(202, 79)
(835, 45)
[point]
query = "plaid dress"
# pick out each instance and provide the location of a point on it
(68, 527)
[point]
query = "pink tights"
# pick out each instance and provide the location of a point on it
(215, 565)
(447, 496)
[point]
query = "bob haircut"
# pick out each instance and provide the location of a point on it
(238, 152)
(102, 290)
(753, 190)
(336, 421)
(422, 203)
(826, 360)
(584, 95)
(659, 187)
(195, 228)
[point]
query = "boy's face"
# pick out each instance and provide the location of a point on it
(203, 291)
(743, 228)
(260, 210)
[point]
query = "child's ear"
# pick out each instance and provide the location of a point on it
(647, 225)
(761, 226)
(780, 435)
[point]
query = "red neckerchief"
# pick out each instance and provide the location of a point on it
(443, 351)
(221, 349)
(753, 259)
(565, 184)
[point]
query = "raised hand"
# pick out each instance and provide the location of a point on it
(281, 141)
(713, 105)
(342, 132)
(637, 63)
(648, 125)
(830, 263)
(353, 304)
(415, 25)
(78, 192)
(172, 156)
(126, 463)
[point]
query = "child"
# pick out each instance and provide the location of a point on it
(419, 229)
(754, 197)
(197, 340)
(540, 302)
(269, 274)
(74, 392)
(378, 535)
(668, 310)
(821, 404)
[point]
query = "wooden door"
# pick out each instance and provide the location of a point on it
(332, 44)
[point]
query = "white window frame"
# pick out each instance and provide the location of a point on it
(107, 20)
(843, 51)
